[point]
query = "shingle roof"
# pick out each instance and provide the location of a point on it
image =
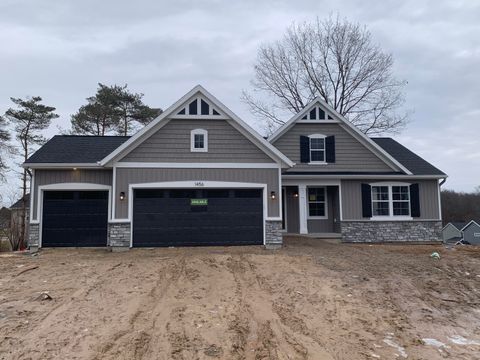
(407, 158)
(76, 149)
(459, 224)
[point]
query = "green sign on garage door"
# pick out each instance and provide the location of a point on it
(198, 202)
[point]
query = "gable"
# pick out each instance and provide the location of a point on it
(184, 109)
(171, 143)
(319, 113)
(351, 155)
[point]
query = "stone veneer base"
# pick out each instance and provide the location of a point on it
(119, 235)
(273, 234)
(391, 231)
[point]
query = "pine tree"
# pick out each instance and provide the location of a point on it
(4, 146)
(112, 109)
(29, 119)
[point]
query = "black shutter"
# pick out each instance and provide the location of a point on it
(330, 149)
(304, 149)
(366, 201)
(414, 200)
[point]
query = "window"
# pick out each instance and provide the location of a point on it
(198, 107)
(317, 148)
(199, 140)
(316, 113)
(317, 202)
(391, 200)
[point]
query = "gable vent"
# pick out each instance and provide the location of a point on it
(317, 113)
(198, 106)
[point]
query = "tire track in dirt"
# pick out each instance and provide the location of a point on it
(267, 335)
(134, 341)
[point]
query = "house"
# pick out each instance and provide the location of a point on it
(471, 233)
(199, 175)
(16, 217)
(452, 232)
(5, 216)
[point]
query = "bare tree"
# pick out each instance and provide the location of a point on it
(336, 60)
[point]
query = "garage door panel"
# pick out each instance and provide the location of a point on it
(167, 217)
(74, 218)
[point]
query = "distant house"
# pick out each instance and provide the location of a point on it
(16, 216)
(471, 232)
(5, 216)
(452, 232)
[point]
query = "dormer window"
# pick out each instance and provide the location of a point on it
(317, 148)
(199, 140)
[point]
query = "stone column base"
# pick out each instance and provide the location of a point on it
(33, 236)
(119, 235)
(273, 234)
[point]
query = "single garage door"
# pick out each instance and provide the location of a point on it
(74, 218)
(192, 217)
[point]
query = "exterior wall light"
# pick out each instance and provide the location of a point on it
(74, 169)
(122, 196)
(295, 194)
(272, 195)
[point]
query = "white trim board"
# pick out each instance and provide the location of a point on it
(176, 165)
(165, 117)
(348, 126)
(348, 177)
(61, 165)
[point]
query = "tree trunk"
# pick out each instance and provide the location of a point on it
(23, 214)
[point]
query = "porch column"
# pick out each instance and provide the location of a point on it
(302, 206)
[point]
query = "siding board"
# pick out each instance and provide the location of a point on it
(352, 199)
(350, 154)
(172, 144)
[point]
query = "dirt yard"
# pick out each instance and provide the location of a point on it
(310, 300)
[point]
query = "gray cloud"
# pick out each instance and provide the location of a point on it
(61, 49)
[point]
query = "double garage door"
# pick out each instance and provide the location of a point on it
(194, 217)
(161, 217)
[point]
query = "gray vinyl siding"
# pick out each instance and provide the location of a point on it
(469, 234)
(172, 144)
(352, 198)
(450, 232)
(127, 176)
(48, 177)
(350, 154)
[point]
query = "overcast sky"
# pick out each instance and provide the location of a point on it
(61, 49)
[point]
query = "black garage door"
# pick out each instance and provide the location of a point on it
(191, 217)
(75, 218)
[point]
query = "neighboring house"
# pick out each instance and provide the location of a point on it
(452, 232)
(16, 217)
(199, 175)
(5, 215)
(471, 232)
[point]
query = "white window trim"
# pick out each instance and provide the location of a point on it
(309, 217)
(390, 202)
(317, 136)
(205, 140)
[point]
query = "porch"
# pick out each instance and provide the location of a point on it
(311, 208)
